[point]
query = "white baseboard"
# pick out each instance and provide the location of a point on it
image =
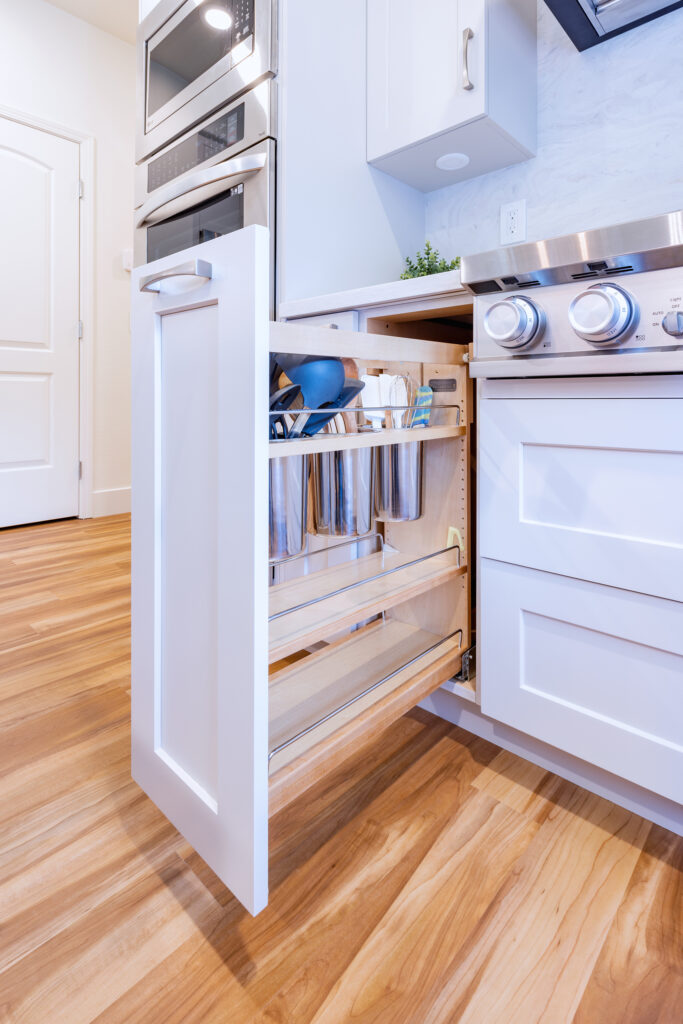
(627, 794)
(111, 502)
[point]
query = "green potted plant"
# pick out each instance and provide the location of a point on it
(428, 262)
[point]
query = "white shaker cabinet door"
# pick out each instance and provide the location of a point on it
(426, 70)
(451, 88)
(200, 542)
(592, 670)
(586, 487)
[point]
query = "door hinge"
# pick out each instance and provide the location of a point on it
(80, 328)
(80, 470)
(81, 188)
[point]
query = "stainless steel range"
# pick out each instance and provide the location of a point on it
(599, 302)
(579, 350)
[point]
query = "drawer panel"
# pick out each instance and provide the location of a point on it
(593, 670)
(346, 320)
(590, 488)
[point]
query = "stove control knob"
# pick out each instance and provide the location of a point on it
(514, 322)
(673, 324)
(602, 314)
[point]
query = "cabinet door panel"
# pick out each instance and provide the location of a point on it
(200, 500)
(415, 70)
(592, 670)
(590, 488)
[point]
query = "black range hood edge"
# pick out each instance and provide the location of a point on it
(582, 33)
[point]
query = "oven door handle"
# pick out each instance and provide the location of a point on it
(240, 167)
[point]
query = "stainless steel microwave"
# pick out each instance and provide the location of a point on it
(217, 178)
(196, 56)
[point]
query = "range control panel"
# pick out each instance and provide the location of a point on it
(628, 313)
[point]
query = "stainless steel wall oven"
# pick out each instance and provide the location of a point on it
(216, 179)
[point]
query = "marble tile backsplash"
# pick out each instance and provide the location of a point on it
(610, 142)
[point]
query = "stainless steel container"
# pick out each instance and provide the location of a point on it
(342, 492)
(287, 505)
(398, 491)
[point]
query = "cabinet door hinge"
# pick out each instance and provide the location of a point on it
(80, 328)
(80, 470)
(81, 188)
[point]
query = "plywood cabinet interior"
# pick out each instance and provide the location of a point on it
(220, 741)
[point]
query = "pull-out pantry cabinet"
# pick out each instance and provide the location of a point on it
(251, 680)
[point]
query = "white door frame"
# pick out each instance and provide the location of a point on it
(86, 298)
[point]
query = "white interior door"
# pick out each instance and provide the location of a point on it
(200, 551)
(39, 312)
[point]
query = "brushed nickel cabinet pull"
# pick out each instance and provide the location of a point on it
(466, 36)
(199, 269)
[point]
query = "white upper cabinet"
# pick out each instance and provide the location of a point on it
(450, 83)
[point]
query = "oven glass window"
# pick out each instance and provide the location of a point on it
(211, 219)
(208, 33)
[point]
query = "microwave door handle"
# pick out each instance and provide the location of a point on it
(200, 269)
(240, 167)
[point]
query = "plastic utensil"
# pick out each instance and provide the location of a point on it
(320, 379)
(398, 395)
(280, 401)
(423, 401)
(349, 393)
(350, 419)
(274, 372)
(371, 400)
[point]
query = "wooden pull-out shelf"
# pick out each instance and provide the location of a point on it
(364, 439)
(370, 594)
(312, 690)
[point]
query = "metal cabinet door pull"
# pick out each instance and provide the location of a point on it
(200, 269)
(466, 36)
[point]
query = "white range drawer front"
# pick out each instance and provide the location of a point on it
(632, 495)
(589, 488)
(592, 670)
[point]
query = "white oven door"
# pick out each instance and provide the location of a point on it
(585, 478)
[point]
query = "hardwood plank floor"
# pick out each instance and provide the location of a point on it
(439, 879)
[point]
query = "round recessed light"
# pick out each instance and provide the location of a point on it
(218, 18)
(452, 161)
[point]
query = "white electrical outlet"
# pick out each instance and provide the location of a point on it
(513, 222)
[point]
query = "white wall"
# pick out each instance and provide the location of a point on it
(60, 69)
(344, 223)
(610, 142)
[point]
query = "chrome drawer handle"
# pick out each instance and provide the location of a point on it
(200, 269)
(466, 36)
